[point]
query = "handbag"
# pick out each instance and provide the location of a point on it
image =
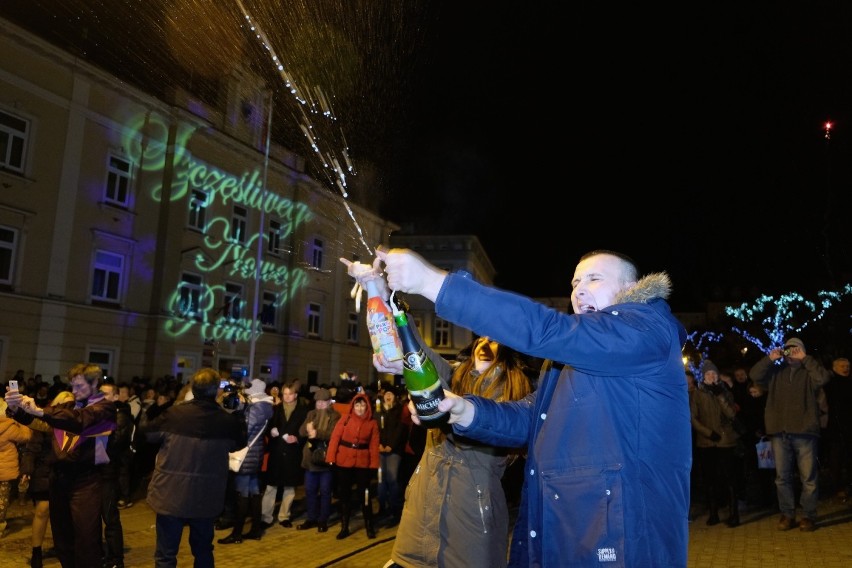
(318, 452)
(765, 455)
(236, 459)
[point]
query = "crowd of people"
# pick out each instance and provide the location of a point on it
(103, 443)
(604, 420)
(789, 399)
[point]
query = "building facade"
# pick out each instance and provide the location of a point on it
(155, 238)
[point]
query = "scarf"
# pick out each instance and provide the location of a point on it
(100, 431)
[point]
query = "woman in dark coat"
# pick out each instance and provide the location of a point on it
(284, 469)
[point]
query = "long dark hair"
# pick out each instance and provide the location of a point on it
(504, 379)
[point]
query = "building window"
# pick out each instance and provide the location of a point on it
(274, 244)
(233, 301)
(267, 313)
(103, 358)
(314, 319)
(118, 181)
(198, 210)
(106, 281)
(313, 377)
(8, 246)
(442, 333)
(14, 132)
(239, 222)
(189, 302)
(352, 328)
(316, 254)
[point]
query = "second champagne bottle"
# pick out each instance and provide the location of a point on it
(421, 376)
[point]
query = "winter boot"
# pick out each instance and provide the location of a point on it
(36, 560)
(713, 506)
(236, 536)
(367, 511)
(344, 521)
(256, 513)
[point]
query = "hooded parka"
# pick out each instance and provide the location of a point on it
(607, 431)
(355, 439)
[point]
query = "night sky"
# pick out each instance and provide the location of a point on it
(693, 141)
(690, 138)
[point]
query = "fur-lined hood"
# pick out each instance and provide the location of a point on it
(649, 287)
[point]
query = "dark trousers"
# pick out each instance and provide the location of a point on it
(113, 534)
(169, 533)
(361, 477)
(318, 489)
(719, 468)
(75, 518)
(125, 469)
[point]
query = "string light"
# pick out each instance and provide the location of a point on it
(787, 315)
(701, 344)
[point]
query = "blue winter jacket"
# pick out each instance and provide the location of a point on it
(258, 413)
(607, 430)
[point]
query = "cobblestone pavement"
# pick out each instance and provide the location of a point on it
(756, 543)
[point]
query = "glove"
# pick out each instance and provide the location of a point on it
(716, 388)
(714, 436)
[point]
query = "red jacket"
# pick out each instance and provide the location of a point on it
(359, 431)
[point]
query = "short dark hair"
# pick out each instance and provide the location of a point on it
(205, 384)
(630, 266)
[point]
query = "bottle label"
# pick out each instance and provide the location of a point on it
(383, 334)
(426, 400)
(413, 360)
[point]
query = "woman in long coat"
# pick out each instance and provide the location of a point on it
(713, 410)
(284, 469)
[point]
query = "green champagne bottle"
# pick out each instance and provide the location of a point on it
(421, 377)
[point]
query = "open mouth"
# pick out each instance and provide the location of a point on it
(484, 353)
(585, 309)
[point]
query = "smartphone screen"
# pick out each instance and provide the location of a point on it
(223, 384)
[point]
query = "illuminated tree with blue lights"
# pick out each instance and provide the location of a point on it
(699, 345)
(787, 315)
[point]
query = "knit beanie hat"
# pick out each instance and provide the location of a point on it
(708, 365)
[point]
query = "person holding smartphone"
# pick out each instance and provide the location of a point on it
(80, 431)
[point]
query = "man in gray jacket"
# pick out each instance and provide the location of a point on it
(792, 420)
(191, 472)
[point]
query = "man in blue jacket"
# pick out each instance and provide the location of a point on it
(607, 430)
